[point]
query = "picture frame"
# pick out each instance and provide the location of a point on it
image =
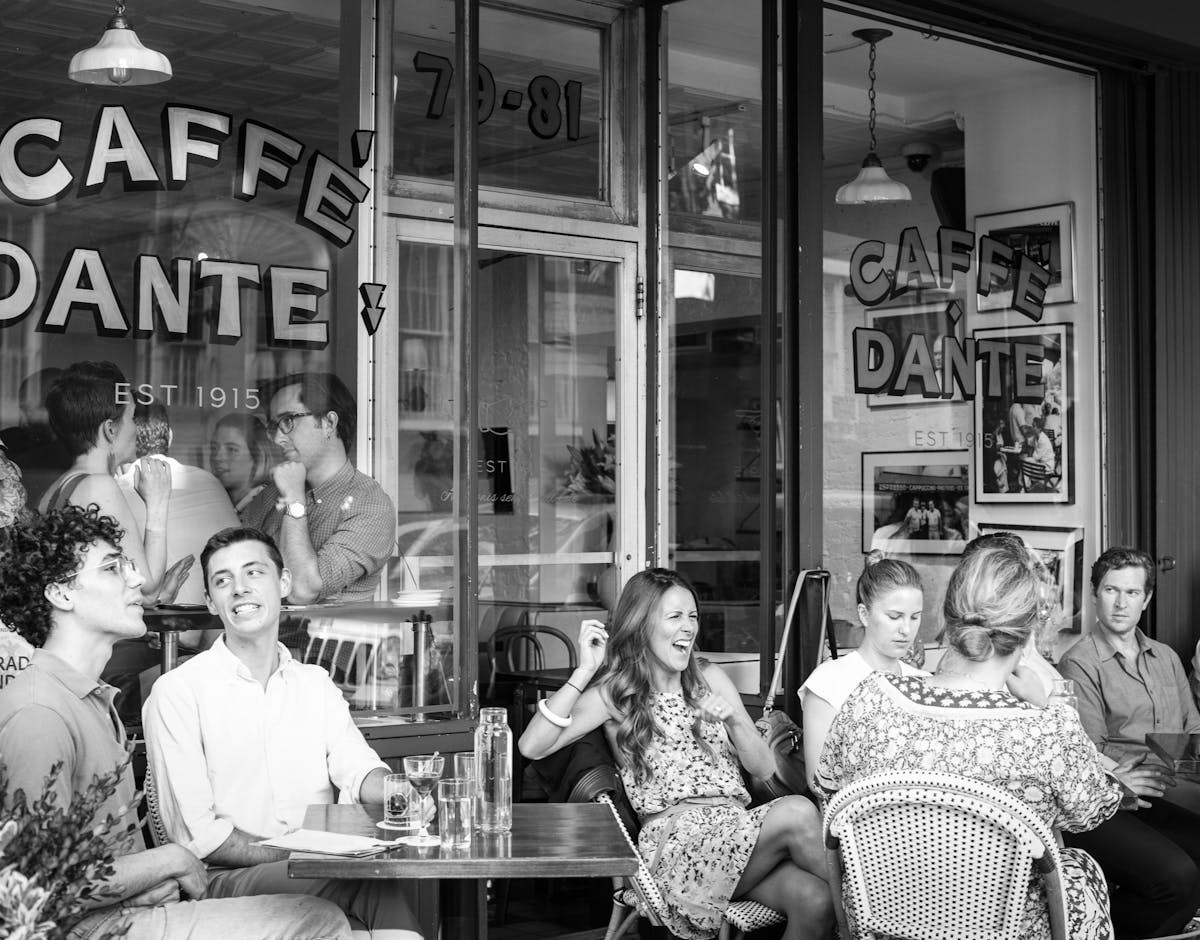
(1024, 441)
(895, 482)
(901, 323)
(1044, 233)
(1061, 551)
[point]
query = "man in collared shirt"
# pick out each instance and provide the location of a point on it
(69, 590)
(243, 738)
(335, 526)
(1127, 685)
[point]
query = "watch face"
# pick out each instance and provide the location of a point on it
(296, 510)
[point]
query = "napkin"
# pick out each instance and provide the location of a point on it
(326, 843)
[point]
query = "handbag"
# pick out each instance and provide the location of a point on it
(783, 736)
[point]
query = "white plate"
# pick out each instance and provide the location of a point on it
(407, 827)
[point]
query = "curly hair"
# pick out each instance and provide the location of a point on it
(626, 673)
(44, 551)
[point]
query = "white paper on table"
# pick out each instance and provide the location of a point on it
(326, 843)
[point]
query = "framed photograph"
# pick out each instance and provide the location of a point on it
(928, 321)
(1024, 442)
(916, 501)
(1046, 234)
(1061, 551)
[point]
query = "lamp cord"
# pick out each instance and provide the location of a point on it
(871, 96)
(120, 7)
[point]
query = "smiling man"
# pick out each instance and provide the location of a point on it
(1128, 685)
(335, 526)
(243, 738)
(71, 592)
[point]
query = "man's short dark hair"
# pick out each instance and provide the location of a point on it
(153, 429)
(233, 535)
(1123, 556)
(323, 392)
(82, 399)
(44, 550)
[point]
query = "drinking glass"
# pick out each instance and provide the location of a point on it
(455, 798)
(423, 771)
(400, 807)
(464, 769)
(1063, 693)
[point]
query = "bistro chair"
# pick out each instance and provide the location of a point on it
(932, 855)
(154, 823)
(507, 641)
(1035, 477)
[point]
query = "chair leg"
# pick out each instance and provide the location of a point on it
(619, 922)
(727, 932)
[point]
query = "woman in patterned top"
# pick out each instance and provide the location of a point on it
(964, 721)
(682, 738)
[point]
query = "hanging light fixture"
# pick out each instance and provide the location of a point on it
(119, 58)
(872, 183)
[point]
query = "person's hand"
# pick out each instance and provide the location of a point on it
(153, 481)
(165, 892)
(593, 644)
(1024, 683)
(174, 578)
(1143, 779)
(714, 708)
(289, 480)
(187, 870)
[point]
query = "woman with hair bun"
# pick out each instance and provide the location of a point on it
(681, 737)
(890, 602)
(964, 721)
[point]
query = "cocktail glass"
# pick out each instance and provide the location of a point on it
(423, 772)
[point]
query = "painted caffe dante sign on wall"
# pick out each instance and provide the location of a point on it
(32, 174)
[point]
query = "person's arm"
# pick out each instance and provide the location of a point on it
(725, 704)
(1191, 717)
(150, 877)
(149, 551)
(362, 543)
(1085, 794)
(581, 706)
(238, 851)
(175, 754)
(818, 716)
(295, 544)
(350, 759)
(1090, 698)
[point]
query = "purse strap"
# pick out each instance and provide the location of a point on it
(797, 590)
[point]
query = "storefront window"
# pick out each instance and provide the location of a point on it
(541, 99)
(960, 329)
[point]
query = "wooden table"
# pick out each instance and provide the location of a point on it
(548, 840)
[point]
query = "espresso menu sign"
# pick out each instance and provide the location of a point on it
(164, 287)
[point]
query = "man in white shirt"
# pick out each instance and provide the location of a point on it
(242, 738)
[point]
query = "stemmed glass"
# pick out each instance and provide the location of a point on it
(423, 772)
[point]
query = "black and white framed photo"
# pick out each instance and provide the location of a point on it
(925, 325)
(1024, 411)
(1061, 551)
(1046, 234)
(916, 501)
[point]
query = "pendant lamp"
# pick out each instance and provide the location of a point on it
(119, 58)
(872, 184)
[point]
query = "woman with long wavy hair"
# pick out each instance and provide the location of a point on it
(682, 738)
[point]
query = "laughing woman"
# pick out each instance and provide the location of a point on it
(679, 730)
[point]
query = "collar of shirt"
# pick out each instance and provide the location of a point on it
(1106, 650)
(79, 685)
(335, 484)
(235, 668)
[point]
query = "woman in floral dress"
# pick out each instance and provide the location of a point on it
(964, 721)
(680, 731)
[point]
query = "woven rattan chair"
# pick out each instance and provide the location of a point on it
(932, 855)
(638, 896)
(154, 823)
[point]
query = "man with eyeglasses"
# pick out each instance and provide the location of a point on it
(69, 590)
(335, 526)
(1127, 685)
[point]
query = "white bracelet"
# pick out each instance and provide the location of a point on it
(544, 711)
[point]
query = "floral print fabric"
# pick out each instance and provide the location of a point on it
(701, 849)
(1039, 755)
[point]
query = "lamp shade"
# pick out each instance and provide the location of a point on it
(872, 185)
(119, 58)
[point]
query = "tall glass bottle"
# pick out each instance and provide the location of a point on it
(493, 763)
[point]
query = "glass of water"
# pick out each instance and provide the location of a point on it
(399, 808)
(456, 797)
(1063, 693)
(464, 769)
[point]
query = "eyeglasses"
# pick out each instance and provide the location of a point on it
(122, 564)
(286, 421)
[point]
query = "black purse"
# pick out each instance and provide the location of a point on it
(783, 736)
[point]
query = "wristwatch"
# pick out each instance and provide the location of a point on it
(296, 510)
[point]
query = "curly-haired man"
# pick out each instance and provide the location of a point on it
(70, 591)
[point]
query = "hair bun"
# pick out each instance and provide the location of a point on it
(874, 557)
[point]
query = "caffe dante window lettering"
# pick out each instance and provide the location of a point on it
(942, 365)
(164, 299)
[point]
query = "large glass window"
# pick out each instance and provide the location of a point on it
(960, 329)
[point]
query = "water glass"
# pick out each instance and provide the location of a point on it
(464, 769)
(456, 797)
(399, 809)
(1063, 693)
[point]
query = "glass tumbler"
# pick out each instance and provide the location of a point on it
(456, 797)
